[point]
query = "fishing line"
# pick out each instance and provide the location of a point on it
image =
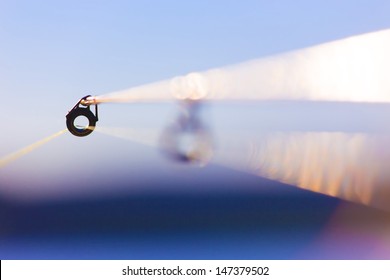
(26, 150)
(141, 136)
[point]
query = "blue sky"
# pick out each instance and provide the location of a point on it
(63, 49)
(54, 52)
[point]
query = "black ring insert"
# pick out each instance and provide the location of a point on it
(77, 111)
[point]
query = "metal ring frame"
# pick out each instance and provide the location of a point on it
(78, 111)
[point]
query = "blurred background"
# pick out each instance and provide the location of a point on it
(118, 194)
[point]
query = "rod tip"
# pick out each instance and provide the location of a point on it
(91, 100)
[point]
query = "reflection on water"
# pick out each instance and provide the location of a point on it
(351, 166)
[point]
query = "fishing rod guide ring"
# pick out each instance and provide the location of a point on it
(77, 111)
